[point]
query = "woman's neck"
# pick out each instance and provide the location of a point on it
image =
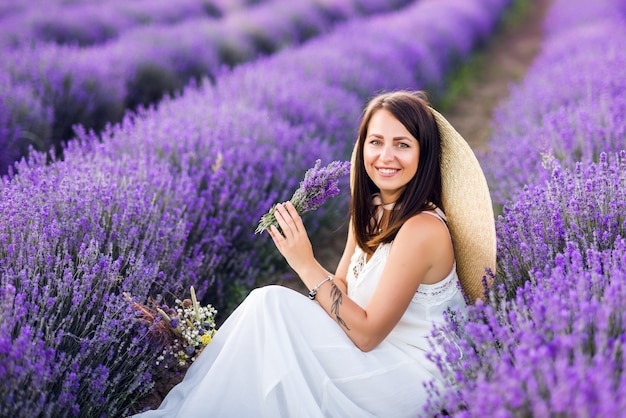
(378, 201)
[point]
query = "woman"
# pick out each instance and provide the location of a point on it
(360, 348)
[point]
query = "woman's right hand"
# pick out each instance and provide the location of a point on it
(294, 243)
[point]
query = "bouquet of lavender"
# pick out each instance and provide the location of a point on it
(318, 185)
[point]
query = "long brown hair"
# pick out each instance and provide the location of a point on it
(423, 190)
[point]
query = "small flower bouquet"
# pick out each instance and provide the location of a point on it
(319, 184)
(182, 330)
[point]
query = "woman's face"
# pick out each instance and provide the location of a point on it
(390, 154)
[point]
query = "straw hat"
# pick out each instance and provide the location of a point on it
(468, 209)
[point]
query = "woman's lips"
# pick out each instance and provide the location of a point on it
(387, 172)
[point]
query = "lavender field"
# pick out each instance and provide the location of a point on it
(139, 146)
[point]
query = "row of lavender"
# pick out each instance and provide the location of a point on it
(171, 197)
(47, 88)
(93, 23)
(552, 340)
(35, 11)
(90, 23)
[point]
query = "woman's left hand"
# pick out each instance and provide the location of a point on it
(294, 245)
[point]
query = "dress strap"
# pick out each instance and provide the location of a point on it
(438, 214)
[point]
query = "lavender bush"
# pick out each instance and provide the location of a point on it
(585, 207)
(322, 109)
(67, 82)
(561, 18)
(240, 160)
(431, 37)
(117, 199)
(24, 121)
(89, 23)
(9, 8)
(550, 341)
(89, 230)
(556, 349)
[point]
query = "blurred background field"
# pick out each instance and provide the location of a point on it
(141, 141)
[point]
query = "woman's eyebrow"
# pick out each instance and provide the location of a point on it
(397, 138)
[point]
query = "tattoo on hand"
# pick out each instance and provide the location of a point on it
(337, 297)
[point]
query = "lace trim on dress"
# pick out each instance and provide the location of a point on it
(358, 266)
(361, 265)
(431, 294)
(428, 294)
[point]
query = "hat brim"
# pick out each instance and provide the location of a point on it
(469, 210)
(468, 207)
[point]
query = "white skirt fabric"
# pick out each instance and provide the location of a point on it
(281, 355)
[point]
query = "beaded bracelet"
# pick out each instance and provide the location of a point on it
(313, 291)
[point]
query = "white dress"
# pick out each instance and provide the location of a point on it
(281, 355)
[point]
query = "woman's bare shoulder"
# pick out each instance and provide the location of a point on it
(428, 236)
(423, 227)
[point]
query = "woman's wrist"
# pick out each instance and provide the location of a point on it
(313, 292)
(312, 275)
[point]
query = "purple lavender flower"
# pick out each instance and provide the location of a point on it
(555, 349)
(319, 185)
(583, 207)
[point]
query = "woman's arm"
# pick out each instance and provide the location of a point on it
(421, 252)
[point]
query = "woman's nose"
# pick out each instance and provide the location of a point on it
(386, 153)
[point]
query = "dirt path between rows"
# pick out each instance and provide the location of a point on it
(504, 61)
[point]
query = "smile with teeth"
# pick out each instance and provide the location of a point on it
(387, 171)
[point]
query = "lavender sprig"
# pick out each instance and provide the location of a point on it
(318, 185)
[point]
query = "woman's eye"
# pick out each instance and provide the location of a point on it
(403, 145)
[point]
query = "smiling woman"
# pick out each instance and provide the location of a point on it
(390, 154)
(359, 345)
(399, 145)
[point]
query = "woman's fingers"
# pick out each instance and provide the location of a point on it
(297, 220)
(277, 237)
(286, 221)
(293, 243)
